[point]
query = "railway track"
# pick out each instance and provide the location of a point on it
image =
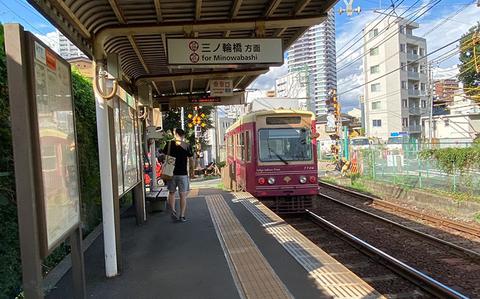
(454, 265)
(387, 275)
(433, 220)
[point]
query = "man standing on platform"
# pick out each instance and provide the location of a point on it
(183, 153)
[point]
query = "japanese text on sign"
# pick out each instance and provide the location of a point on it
(225, 51)
(221, 88)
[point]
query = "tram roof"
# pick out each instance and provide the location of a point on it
(137, 30)
(252, 116)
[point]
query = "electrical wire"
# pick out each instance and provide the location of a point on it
(388, 37)
(392, 71)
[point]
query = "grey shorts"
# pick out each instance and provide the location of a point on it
(180, 181)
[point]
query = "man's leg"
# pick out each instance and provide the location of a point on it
(183, 203)
(183, 188)
(171, 186)
(171, 201)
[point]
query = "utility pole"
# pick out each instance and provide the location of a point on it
(430, 103)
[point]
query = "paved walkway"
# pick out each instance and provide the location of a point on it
(163, 259)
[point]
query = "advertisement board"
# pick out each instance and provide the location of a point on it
(211, 51)
(127, 147)
(55, 145)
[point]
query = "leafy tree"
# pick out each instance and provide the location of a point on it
(468, 73)
(172, 120)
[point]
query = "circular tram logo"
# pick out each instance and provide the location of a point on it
(193, 45)
(194, 58)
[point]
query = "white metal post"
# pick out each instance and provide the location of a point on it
(110, 247)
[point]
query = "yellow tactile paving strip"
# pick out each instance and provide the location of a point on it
(330, 276)
(254, 276)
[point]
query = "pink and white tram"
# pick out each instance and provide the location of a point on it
(273, 155)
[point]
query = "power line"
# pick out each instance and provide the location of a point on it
(388, 37)
(392, 71)
(344, 46)
(27, 22)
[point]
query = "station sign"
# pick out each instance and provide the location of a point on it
(221, 88)
(211, 51)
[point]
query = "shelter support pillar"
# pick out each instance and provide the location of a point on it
(106, 180)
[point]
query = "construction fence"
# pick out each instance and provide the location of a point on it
(403, 166)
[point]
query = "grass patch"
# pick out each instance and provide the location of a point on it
(477, 217)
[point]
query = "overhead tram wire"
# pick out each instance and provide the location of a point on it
(394, 70)
(27, 22)
(386, 38)
(384, 16)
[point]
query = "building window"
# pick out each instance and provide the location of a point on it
(405, 122)
(404, 84)
(403, 66)
(374, 51)
(447, 122)
(423, 86)
(402, 48)
(405, 103)
(376, 105)
(402, 29)
(375, 87)
(377, 122)
(424, 104)
(375, 69)
(373, 33)
(422, 51)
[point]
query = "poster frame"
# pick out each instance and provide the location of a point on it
(45, 250)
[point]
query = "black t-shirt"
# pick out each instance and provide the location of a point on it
(181, 155)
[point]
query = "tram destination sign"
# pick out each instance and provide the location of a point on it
(206, 51)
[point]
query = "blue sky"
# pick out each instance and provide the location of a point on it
(457, 15)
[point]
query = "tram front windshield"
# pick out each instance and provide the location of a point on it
(283, 145)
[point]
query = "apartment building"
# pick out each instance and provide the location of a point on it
(314, 54)
(396, 78)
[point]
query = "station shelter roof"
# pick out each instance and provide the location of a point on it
(138, 30)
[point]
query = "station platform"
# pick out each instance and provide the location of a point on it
(232, 246)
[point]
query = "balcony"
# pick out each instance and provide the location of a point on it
(413, 75)
(414, 128)
(415, 110)
(415, 92)
(411, 56)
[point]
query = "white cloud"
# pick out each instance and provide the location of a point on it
(267, 81)
(50, 39)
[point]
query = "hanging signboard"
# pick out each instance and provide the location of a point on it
(187, 51)
(221, 88)
(54, 144)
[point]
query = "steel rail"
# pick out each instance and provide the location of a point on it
(470, 253)
(419, 278)
(383, 203)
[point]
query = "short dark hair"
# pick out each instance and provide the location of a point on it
(180, 132)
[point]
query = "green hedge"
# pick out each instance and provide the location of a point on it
(10, 264)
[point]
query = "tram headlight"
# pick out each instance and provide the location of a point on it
(303, 179)
(313, 179)
(261, 181)
(271, 180)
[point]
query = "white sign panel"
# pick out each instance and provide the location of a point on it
(221, 88)
(188, 51)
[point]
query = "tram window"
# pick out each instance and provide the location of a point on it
(230, 145)
(284, 120)
(240, 146)
(289, 144)
(248, 150)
